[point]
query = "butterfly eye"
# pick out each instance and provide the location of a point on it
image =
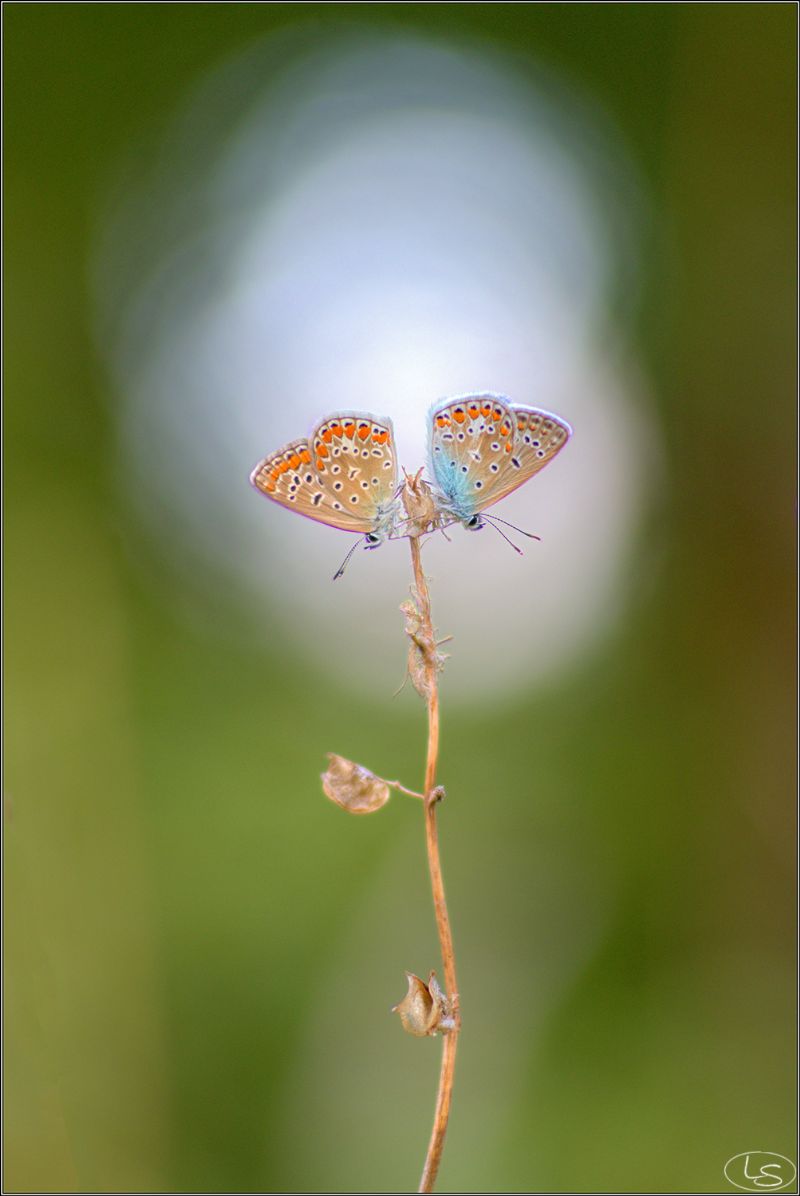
(474, 524)
(372, 539)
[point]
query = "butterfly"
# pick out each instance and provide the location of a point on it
(482, 447)
(344, 475)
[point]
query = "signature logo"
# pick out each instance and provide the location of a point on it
(760, 1171)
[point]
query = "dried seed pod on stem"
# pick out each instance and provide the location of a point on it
(355, 788)
(426, 1009)
(428, 664)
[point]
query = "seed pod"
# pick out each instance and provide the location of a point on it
(424, 1010)
(353, 787)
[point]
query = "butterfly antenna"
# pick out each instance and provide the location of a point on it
(346, 561)
(530, 535)
(505, 537)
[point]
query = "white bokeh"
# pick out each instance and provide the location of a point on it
(390, 222)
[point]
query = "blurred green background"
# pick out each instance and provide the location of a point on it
(200, 950)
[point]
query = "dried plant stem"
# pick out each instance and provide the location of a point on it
(402, 789)
(432, 795)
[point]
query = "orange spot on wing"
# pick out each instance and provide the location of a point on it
(380, 437)
(458, 415)
(269, 486)
(327, 435)
(363, 431)
(349, 429)
(508, 447)
(336, 429)
(320, 465)
(282, 467)
(322, 450)
(504, 431)
(305, 456)
(474, 410)
(294, 461)
(520, 421)
(486, 409)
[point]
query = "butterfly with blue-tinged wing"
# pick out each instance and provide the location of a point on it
(482, 447)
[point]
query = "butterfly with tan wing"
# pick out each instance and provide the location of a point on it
(344, 475)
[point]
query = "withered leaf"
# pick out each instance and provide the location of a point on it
(417, 649)
(353, 787)
(424, 659)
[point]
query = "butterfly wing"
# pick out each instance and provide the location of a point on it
(539, 435)
(345, 475)
(483, 447)
(353, 456)
(470, 439)
(288, 477)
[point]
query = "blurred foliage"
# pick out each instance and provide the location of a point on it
(201, 950)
